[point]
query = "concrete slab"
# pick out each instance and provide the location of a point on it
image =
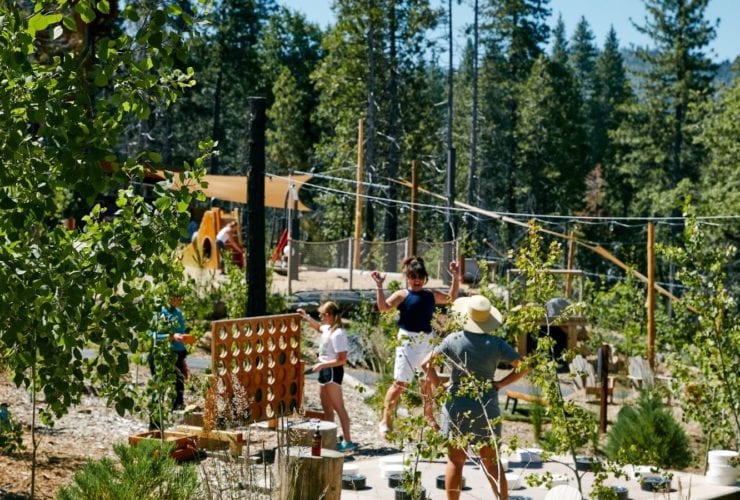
(477, 487)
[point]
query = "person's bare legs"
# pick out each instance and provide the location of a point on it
(427, 399)
(326, 403)
(454, 471)
(336, 400)
(391, 401)
(494, 472)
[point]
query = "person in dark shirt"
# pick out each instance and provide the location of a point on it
(472, 353)
(415, 305)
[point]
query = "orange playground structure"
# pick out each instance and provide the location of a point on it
(203, 252)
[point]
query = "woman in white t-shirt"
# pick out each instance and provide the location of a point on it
(332, 357)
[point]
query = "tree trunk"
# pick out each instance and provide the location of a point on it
(391, 213)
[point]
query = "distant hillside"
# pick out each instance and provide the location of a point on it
(635, 67)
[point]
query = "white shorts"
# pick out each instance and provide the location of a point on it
(412, 348)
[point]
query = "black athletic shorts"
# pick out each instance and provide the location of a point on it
(334, 374)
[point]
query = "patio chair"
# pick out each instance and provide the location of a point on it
(640, 374)
(585, 378)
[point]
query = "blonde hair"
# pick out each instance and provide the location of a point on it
(332, 308)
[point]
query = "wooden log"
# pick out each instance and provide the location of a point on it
(305, 477)
(235, 439)
(515, 396)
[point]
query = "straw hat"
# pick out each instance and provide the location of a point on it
(478, 313)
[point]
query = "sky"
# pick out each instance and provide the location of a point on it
(600, 14)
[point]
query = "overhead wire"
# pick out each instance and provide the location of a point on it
(541, 218)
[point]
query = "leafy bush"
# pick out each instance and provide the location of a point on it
(648, 434)
(11, 434)
(146, 471)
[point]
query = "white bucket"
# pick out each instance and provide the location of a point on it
(513, 480)
(388, 469)
(350, 469)
(725, 475)
(720, 471)
(720, 457)
(721, 480)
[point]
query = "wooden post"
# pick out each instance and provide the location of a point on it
(305, 477)
(412, 216)
(651, 295)
(293, 236)
(604, 356)
(255, 266)
(571, 261)
(358, 196)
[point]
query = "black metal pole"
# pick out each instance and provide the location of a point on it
(255, 257)
(449, 230)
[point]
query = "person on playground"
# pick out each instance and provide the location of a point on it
(415, 305)
(226, 238)
(473, 353)
(332, 357)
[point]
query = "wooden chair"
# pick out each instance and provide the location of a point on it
(640, 374)
(585, 378)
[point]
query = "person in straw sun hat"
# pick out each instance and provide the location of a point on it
(473, 352)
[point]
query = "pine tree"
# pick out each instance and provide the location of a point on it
(290, 51)
(560, 51)
(287, 142)
(660, 159)
(551, 142)
(375, 68)
(514, 34)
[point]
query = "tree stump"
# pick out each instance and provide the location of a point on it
(302, 434)
(305, 477)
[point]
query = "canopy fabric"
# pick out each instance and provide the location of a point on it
(234, 188)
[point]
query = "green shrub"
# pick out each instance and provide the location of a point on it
(146, 471)
(11, 434)
(648, 434)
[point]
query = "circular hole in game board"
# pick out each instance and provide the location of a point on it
(246, 365)
(281, 358)
(258, 395)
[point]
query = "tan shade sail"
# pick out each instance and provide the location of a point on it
(234, 188)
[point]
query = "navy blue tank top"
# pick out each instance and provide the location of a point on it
(416, 311)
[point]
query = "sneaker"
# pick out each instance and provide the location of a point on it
(346, 446)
